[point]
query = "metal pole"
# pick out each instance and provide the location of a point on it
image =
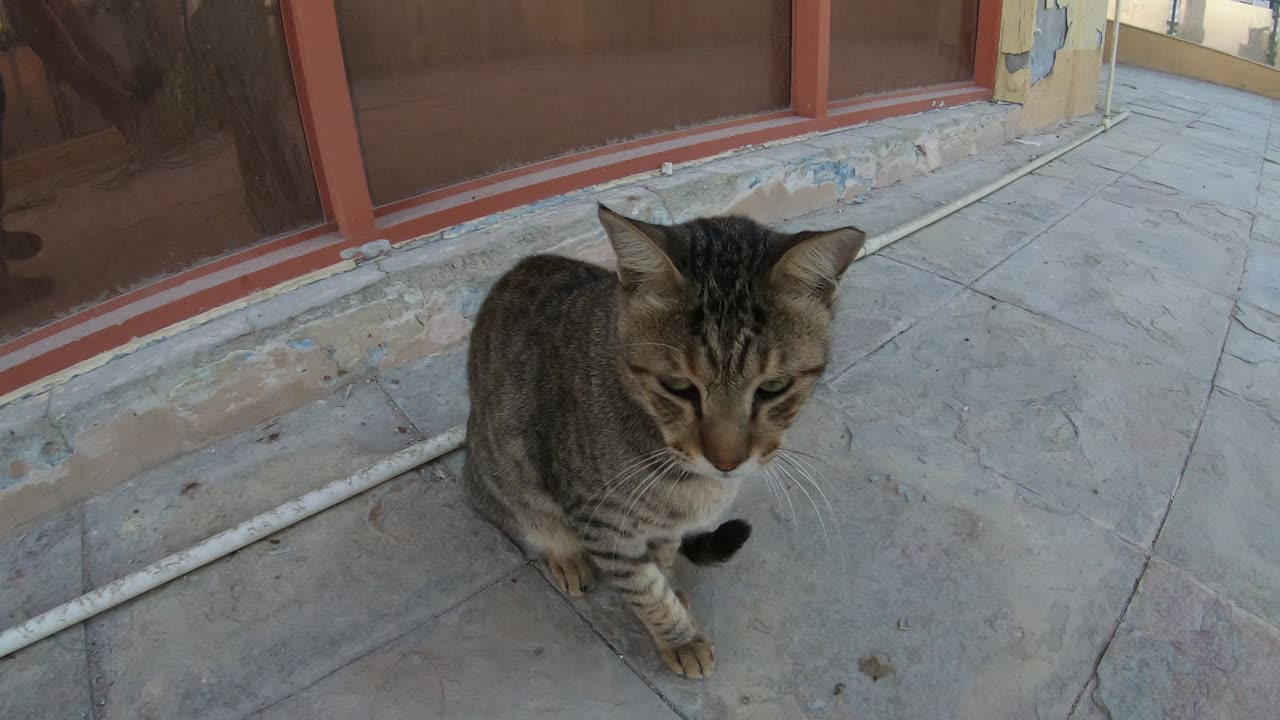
(1111, 77)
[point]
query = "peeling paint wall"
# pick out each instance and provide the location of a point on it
(1050, 57)
(1050, 37)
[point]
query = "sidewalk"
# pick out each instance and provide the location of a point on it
(1048, 439)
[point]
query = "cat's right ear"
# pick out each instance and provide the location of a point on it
(642, 263)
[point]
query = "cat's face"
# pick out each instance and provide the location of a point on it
(724, 328)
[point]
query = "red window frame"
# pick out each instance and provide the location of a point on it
(324, 97)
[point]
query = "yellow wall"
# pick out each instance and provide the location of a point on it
(1161, 52)
(1070, 89)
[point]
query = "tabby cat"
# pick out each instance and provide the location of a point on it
(612, 415)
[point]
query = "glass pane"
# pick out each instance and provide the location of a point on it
(452, 89)
(138, 141)
(1244, 28)
(880, 46)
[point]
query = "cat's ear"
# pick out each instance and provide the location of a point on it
(641, 260)
(813, 261)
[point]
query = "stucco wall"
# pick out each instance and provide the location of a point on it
(1050, 56)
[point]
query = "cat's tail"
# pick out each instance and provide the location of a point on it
(717, 546)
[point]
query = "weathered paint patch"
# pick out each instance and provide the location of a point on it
(1051, 35)
(842, 173)
(1013, 62)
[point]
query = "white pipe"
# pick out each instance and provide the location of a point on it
(299, 509)
(1111, 76)
(226, 542)
(877, 242)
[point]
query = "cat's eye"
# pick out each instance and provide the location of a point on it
(773, 387)
(677, 385)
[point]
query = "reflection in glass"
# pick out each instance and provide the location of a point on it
(1244, 28)
(882, 46)
(453, 89)
(140, 137)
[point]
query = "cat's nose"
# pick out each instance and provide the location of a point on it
(725, 444)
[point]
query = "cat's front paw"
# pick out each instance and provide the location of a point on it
(694, 659)
(572, 574)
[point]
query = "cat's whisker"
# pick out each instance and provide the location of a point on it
(810, 456)
(810, 473)
(641, 488)
(671, 492)
(652, 344)
(634, 469)
(776, 486)
(768, 482)
(621, 477)
(826, 540)
(795, 524)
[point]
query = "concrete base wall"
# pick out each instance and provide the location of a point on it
(102, 428)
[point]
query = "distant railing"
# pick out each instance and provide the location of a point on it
(1244, 28)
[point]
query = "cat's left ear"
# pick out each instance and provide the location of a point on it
(642, 260)
(813, 261)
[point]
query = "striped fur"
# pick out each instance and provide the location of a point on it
(612, 415)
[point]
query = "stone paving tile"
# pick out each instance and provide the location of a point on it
(1269, 187)
(1234, 140)
(1127, 144)
(1196, 145)
(1224, 527)
(1205, 171)
(1261, 285)
(972, 241)
(881, 211)
(1201, 242)
(1110, 291)
(1122, 93)
(1185, 652)
(1117, 157)
(1082, 425)
(1156, 107)
(1266, 228)
(432, 391)
(1223, 97)
(39, 569)
(879, 298)
(1172, 99)
(516, 651)
(1081, 171)
(1250, 365)
(1268, 199)
(183, 502)
(277, 616)
(1004, 603)
(1239, 121)
(1192, 95)
(1144, 128)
